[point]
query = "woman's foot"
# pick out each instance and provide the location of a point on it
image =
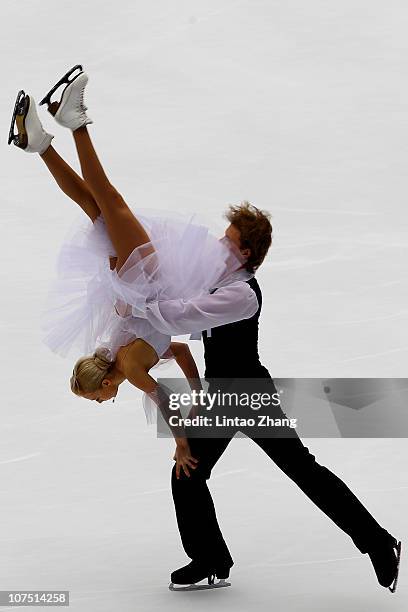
(31, 136)
(70, 111)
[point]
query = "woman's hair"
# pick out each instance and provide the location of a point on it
(90, 371)
(255, 229)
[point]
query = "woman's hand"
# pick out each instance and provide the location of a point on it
(183, 458)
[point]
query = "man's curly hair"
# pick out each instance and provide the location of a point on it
(255, 229)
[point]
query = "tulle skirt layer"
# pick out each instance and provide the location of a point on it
(89, 304)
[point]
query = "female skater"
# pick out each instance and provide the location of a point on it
(115, 276)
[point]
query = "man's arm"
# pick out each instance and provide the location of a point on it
(226, 305)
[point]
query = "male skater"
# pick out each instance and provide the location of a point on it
(225, 358)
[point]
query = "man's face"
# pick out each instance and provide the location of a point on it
(233, 234)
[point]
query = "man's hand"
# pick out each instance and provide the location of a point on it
(183, 458)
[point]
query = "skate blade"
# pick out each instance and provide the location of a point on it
(20, 111)
(65, 79)
(393, 588)
(199, 587)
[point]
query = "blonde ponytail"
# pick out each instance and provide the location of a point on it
(90, 371)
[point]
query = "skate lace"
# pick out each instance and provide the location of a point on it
(81, 105)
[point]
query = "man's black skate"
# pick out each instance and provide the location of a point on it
(386, 563)
(19, 113)
(194, 572)
(64, 79)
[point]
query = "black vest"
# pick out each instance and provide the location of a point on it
(232, 350)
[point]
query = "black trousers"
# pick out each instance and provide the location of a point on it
(196, 517)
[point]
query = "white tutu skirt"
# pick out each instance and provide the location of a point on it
(89, 305)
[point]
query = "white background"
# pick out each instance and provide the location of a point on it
(298, 107)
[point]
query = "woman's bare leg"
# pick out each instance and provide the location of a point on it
(73, 186)
(71, 183)
(125, 231)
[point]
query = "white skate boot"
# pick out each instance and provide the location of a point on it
(31, 136)
(70, 111)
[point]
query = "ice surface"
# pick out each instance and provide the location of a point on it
(299, 107)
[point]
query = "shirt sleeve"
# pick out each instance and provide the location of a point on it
(226, 305)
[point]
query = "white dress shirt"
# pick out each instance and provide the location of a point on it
(234, 300)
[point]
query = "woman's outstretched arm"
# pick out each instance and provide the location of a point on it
(185, 360)
(142, 380)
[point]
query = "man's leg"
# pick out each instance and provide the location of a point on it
(196, 518)
(325, 489)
